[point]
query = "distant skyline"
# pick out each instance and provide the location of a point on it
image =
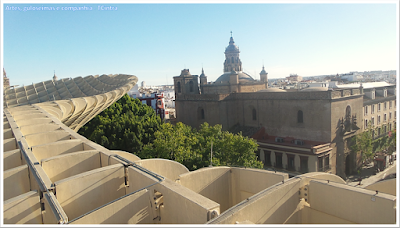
(156, 41)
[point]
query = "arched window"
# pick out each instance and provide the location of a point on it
(178, 85)
(348, 113)
(191, 86)
(348, 123)
(300, 116)
(254, 114)
(200, 113)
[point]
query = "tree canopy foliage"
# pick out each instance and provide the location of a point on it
(365, 143)
(131, 126)
(192, 147)
(126, 125)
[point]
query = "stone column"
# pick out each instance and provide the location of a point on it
(297, 162)
(262, 156)
(272, 158)
(284, 160)
(312, 164)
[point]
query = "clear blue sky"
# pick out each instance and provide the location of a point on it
(156, 41)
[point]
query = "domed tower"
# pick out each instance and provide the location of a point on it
(54, 77)
(232, 60)
(264, 77)
(203, 80)
(203, 77)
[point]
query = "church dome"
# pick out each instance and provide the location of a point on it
(263, 71)
(243, 77)
(232, 46)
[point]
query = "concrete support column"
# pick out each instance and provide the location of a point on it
(262, 156)
(312, 164)
(284, 160)
(297, 162)
(272, 158)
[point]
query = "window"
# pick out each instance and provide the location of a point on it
(390, 104)
(384, 106)
(267, 156)
(299, 142)
(379, 107)
(191, 86)
(385, 93)
(320, 164)
(348, 113)
(384, 129)
(384, 117)
(200, 113)
(379, 131)
(373, 121)
(372, 109)
(366, 110)
(326, 165)
(348, 124)
(278, 160)
(304, 164)
(290, 161)
(300, 116)
(390, 126)
(379, 119)
(390, 115)
(178, 85)
(254, 114)
(373, 95)
(366, 124)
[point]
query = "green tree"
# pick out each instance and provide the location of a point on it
(126, 125)
(363, 144)
(392, 141)
(192, 148)
(386, 143)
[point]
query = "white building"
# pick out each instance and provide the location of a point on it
(352, 76)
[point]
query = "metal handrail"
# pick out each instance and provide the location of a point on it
(41, 184)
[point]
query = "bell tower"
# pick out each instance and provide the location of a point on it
(186, 83)
(232, 60)
(264, 77)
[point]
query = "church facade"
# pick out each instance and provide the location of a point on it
(288, 126)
